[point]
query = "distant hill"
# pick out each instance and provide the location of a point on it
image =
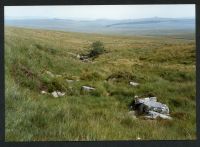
(162, 22)
(148, 26)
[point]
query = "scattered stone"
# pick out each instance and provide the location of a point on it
(69, 81)
(83, 57)
(134, 83)
(138, 138)
(50, 74)
(57, 94)
(60, 93)
(43, 92)
(78, 56)
(87, 88)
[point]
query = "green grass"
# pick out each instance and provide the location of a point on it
(164, 67)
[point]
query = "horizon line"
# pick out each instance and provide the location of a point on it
(88, 19)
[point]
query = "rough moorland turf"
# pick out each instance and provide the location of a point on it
(164, 67)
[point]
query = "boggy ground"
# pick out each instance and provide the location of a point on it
(164, 67)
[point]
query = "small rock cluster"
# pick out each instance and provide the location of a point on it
(134, 83)
(146, 107)
(57, 94)
(83, 58)
(54, 93)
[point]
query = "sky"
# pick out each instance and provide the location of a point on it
(94, 12)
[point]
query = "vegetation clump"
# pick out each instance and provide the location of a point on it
(97, 49)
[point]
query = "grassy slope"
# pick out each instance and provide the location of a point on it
(165, 67)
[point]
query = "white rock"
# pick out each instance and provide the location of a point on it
(55, 94)
(151, 108)
(152, 104)
(43, 92)
(138, 138)
(78, 56)
(60, 93)
(87, 88)
(50, 74)
(135, 96)
(153, 99)
(145, 100)
(69, 81)
(155, 115)
(134, 83)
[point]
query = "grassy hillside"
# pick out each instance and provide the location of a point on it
(164, 67)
